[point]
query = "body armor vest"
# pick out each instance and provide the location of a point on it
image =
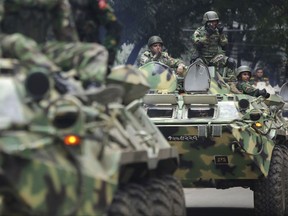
(211, 49)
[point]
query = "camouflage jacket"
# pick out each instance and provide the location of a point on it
(209, 46)
(258, 79)
(246, 88)
(37, 18)
(148, 56)
(89, 16)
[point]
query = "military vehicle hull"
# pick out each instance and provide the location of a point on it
(83, 153)
(223, 139)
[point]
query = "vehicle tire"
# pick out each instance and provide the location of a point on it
(121, 205)
(285, 176)
(139, 198)
(269, 193)
(161, 203)
(176, 192)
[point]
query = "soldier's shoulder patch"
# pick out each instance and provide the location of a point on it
(146, 53)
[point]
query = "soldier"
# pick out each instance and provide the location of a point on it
(259, 77)
(89, 16)
(21, 16)
(243, 75)
(155, 53)
(210, 41)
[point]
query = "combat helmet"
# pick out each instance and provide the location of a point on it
(243, 68)
(210, 16)
(154, 39)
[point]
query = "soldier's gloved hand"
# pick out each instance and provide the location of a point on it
(264, 93)
(157, 56)
(209, 30)
(60, 83)
(257, 93)
(220, 28)
(231, 63)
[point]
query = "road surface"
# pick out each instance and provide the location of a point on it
(207, 201)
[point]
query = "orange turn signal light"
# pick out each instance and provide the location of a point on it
(72, 140)
(258, 124)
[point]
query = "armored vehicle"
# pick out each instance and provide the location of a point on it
(225, 138)
(90, 152)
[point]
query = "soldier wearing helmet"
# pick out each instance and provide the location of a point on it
(259, 77)
(156, 53)
(243, 75)
(210, 40)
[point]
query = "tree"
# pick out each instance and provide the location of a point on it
(257, 30)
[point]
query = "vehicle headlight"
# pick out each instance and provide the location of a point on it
(255, 116)
(37, 85)
(63, 113)
(243, 104)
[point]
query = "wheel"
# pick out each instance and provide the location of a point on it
(177, 195)
(285, 176)
(139, 199)
(161, 202)
(269, 193)
(121, 205)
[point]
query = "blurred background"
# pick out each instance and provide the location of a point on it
(257, 30)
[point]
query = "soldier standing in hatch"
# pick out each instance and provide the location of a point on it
(89, 16)
(210, 41)
(155, 53)
(21, 16)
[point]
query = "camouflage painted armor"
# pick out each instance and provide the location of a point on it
(89, 16)
(53, 19)
(224, 140)
(148, 56)
(89, 60)
(210, 45)
(246, 88)
(97, 171)
(27, 51)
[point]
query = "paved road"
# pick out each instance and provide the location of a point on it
(205, 202)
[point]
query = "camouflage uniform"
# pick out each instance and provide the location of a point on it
(148, 56)
(53, 19)
(247, 88)
(89, 16)
(209, 46)
(256, 79)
